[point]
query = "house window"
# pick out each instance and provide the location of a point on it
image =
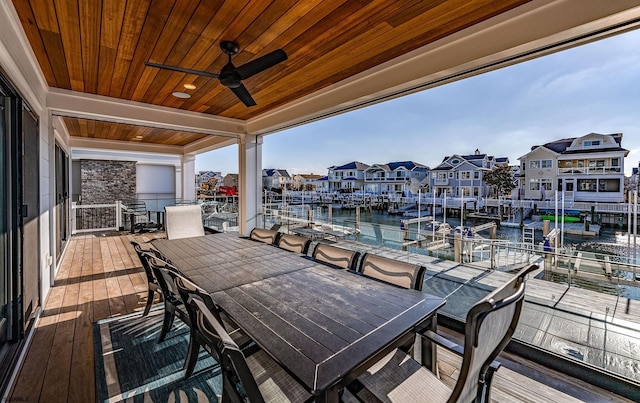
(615, 162)
(538, 164)
(587, 185)
(537, 184)
(465, 175)
(450, 175)
(591, 143)
(476, 175)
(609, 185)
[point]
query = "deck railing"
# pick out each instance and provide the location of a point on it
(95, 217)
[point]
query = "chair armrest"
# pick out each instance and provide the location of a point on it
(451, 346)
(443, 341)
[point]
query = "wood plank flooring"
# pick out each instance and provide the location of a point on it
(100, 276)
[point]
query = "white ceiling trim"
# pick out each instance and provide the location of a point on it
(521, 31)
(123, 146)
(139, 158)
(95, 107)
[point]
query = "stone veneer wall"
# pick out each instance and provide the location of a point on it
(107, 181)
(104, 182)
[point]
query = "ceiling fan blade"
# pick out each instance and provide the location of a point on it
(183, 70)
(242, 93)
(262, 63)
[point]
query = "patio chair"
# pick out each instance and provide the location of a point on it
(338, 257)
(183, 221)
(489, 326)
(406, 275)
(186, 288)
(152, 281)
(294, 243)
(255, 378)
(264, 235)
(173, 305)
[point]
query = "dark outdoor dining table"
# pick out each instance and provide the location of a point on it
(325, 326)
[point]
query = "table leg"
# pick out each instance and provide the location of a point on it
(330, 396)
(426, 351)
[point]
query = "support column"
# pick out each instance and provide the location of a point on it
(250, 183)
(186, 178)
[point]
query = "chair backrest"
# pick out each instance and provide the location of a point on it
(160, 269)
(265, 235)
(407, 275)
(339, 257)
(488, 329)
(151, 278)
(236, 372)
(294, 243)
(183, 221)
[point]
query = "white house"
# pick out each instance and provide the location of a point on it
(462, 175)
(347, 178)
(588, 168)
(276, 178)
(394, 177)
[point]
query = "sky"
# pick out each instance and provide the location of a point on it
(592, 88)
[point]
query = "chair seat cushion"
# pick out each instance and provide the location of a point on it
(399, 378)
(275, 384)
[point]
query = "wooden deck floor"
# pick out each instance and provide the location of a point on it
(100, 276)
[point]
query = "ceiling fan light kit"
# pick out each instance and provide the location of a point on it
(231, 76)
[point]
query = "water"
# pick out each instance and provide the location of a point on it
(611, 241)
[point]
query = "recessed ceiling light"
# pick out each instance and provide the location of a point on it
(179, 94)
(190, 86)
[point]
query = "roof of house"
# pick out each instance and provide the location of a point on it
(281, 172)
(560, 146)
(351, 165)
(310, 176)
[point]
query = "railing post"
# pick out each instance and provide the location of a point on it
(118, 215)
(492, 256)
(73, 218)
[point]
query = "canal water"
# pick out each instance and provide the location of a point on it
(610, 241)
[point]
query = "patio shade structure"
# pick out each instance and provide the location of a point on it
(79, 68)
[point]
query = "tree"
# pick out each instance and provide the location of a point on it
(500, 179)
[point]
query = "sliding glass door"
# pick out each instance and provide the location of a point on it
(19, 224)
(5, 108)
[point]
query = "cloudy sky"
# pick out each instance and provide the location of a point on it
(593, 88)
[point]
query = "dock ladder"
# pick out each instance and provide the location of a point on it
(528, 236)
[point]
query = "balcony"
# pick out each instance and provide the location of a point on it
(100, 276)
(606, 170)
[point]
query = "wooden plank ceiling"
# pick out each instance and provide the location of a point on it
(125, 132)
(100, 46)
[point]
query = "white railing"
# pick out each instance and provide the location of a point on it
(590, 170)
(95, 217)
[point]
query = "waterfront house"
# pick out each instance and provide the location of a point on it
(347, 178)
(276, 179)
(322, 184)
(462, 175)
(231, 181)
(394, 177)
(585, 169)
(307, 182)
(73, 76)
(212, 178)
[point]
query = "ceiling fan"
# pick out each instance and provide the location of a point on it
(231, 76)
